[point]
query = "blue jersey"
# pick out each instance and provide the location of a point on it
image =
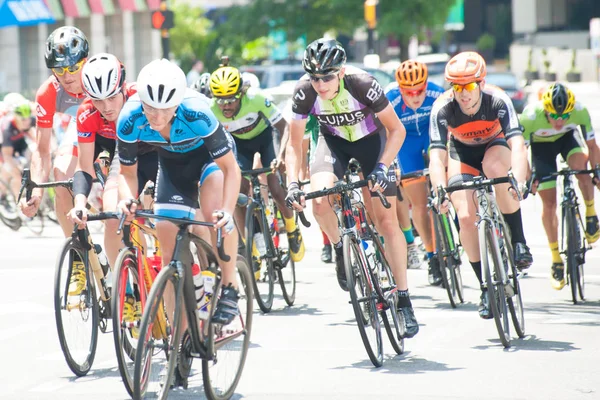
(194, 125)
(415, 122)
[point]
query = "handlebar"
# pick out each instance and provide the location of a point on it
(256, 172)
(479, 182)
(415, 174)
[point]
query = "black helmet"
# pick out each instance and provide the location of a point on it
(324, 56)
(202, 85)
(66, 46)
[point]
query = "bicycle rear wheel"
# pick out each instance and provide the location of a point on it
(450, 273)
(125, 333)
(287, 273)
(515, 302)
(155, 359)
(34, 224)
(263, 270)
(76, 313)
(580, 258)
(495, 287)
(364, 300)
(230, 343)
(572, 248)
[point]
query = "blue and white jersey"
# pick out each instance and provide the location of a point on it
(193, 126)
(415, 122)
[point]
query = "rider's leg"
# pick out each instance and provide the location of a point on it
(304, 174)
(64, 166)
(417, 194)
(579, 160)
(322, 210)
(110, 198)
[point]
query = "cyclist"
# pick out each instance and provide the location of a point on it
(412, 97)
(67, 49)
(202, 85)
(103, 79)
(252, 120)
(478, 127)
(16, 127)
(550, 128)
(353, 115)
(193, 149)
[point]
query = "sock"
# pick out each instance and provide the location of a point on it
(555, 254)
(338, 245)
(515, 223)
(429, 255)
(290, 224)
(590, 210)
(477, 269)
(429, 249)
(408, 234)
(403, 299)
(326, 241)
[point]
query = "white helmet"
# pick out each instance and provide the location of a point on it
(102, 76)
(251, 80)
(161, 84)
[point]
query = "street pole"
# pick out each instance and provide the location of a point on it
(371, 19)
(164, 35)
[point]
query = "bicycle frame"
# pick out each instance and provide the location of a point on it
(570, 202)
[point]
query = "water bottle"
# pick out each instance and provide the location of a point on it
(199, 290)
(270, 218)
(259, 242)
(208, 279)
(369, 251)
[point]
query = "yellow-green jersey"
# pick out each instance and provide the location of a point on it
(256, 114)
(537, 128)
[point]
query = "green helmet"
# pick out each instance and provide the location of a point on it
(23, 110)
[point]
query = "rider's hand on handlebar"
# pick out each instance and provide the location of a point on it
(30, 208)
(78, 215)
(128, 207)
(278, 164)
(295, 197)
(442, 205)
(223, 219)
(378, 179)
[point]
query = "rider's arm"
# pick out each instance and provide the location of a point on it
(518, 155)
(293, 153)
(438, 138)
(396, 133)
(585, 124)
(7, 154)
(283, 130)
(84, 173)
(128, 179)
(438, 161)
(41, 158)
(509, 121)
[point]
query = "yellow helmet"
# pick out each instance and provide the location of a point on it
(558, 99)
(225, 82)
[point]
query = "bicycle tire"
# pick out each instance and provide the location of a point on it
(264, 291)
(496, 295)
(572, 267)
(287, 274)
(582, 249)
(395, 330)
(62, 279)
(35, 224)
(9, 214)
(515, 302)
(154, 305)
(446, 262)
(213, 390)
(123, 337)
(367, 318)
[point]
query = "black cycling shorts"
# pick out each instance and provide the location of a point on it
(333, 154)
(543, 156)
(262, 144)
(470, 158)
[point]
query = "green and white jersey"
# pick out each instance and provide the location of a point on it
(256, 114)
(537, 128)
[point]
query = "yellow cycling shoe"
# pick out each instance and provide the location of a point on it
(557, 276)
(77, 281)
(296, 245)
(592, 229)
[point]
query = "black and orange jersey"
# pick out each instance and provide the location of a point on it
(495, 117)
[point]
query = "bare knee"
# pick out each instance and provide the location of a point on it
(388, 226)
(321, 207)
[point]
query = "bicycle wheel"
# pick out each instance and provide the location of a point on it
(263, 270)
(580, 258)
(287, 272)
(76, 314)
(572, 248)
(387, 285)
(155, 359)
(364, 300)
(515, 302)
(125, 333)
(34, 224)
(230, 343)
(9, 213)
(446, 260)
(495, 288)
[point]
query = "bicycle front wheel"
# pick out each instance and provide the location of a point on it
(156, 358)
(364, 300)
(514, 299)
(75, 310)
(572, 248)
(230, 343)
(287, 271)
(9, 212)
(262, 267)
(450, 273)
(495, 286)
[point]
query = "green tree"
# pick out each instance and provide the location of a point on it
(192, 35)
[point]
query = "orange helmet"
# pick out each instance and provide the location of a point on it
(411, 74)
(465, 67)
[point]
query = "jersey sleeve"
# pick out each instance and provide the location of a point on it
(506, 114)
(127, 131)
(582, 118)
(367, 90)
(86, 131)
(46, 103)
(438, 123)
(303, 99)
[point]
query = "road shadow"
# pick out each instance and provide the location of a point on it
(296, 309)
(401, 364)
(531, 343)
(96, 374)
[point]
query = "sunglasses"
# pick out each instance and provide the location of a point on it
(326, 78)
(227, 100)
(469, 87)
(417, 92)
(72, 69)
(556, 117)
